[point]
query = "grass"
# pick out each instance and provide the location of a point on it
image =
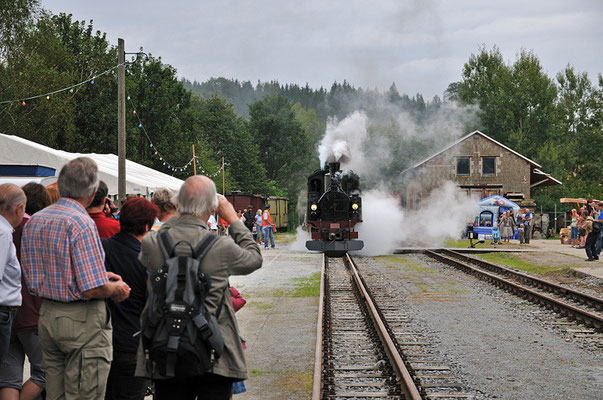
(514, 262)
(306, 287)
(302, 287)
(395, 261)
(296, 382)
(456, 243)
(257, 372)
(259, 305)
(284, 237)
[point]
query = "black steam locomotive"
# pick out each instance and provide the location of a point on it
(334, 208)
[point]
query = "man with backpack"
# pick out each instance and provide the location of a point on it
(190, 344)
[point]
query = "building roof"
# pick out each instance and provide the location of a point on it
(139, 178)
(535, 164)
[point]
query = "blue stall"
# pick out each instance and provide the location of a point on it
(489, 211)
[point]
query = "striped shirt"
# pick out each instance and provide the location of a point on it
(61, 252)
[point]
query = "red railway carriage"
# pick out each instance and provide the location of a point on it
(278, 206)
(242, 201)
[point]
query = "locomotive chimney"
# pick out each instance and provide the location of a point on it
(333, 167)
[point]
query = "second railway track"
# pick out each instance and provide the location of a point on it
(573, 304)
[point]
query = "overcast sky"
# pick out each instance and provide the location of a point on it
(419, 45)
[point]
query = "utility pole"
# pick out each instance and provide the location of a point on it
(121, 120)
(194, 160)
(223, 179)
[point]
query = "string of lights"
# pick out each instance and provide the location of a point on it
(156, 151)
(71, 88)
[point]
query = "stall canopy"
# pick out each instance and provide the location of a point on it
(140, 180)
(490, 207)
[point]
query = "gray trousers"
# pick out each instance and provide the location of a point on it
(528, 233)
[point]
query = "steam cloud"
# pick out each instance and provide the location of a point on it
(370, 146)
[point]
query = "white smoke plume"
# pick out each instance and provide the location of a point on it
(443, 215)
(370, 146)
(344, 141)
(383, 220)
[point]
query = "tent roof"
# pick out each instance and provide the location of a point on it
(139, 179)
(497, 201)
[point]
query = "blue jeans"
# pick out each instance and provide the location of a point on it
(7, 316)
(599, 243)
(258, 232)
(267, 230)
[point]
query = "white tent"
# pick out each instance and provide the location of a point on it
(140, 180)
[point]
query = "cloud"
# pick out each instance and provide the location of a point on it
(420, 45)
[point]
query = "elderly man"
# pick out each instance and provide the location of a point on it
(234, 255)
(63, 261)
(12, 208)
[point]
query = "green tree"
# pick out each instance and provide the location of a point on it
(228, 137)
(517, 102)
(58, 53)
(284, 147)
(581, 131)
(16, 18)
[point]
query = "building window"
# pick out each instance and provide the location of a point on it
(462, 166)
(488, 165)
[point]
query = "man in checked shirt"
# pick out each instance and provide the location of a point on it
(63, 261)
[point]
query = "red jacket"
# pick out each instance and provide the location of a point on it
(107, 227)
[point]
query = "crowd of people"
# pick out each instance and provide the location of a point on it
(74, 282)
(510, 223)
(585, 230)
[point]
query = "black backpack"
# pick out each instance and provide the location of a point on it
(179, 335)
(596, 227)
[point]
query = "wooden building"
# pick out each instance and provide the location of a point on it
(480, 166)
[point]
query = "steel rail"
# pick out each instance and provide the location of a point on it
(318, 384)
(587, 317)
(592, 301)
(407, 383)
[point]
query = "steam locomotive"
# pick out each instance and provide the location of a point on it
(334, 208)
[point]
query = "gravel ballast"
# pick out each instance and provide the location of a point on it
(495, 342)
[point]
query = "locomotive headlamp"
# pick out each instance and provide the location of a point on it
(313, 207)
(355, 206)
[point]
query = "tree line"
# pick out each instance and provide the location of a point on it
(268, 133)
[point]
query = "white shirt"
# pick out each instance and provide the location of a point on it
(213, 225)
(10, 270)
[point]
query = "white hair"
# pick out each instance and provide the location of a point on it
(78, 178)
(197, 196)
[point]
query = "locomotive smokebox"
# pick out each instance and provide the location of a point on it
(334, 167)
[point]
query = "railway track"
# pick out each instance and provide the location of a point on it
(364, 349)
(575, 305)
